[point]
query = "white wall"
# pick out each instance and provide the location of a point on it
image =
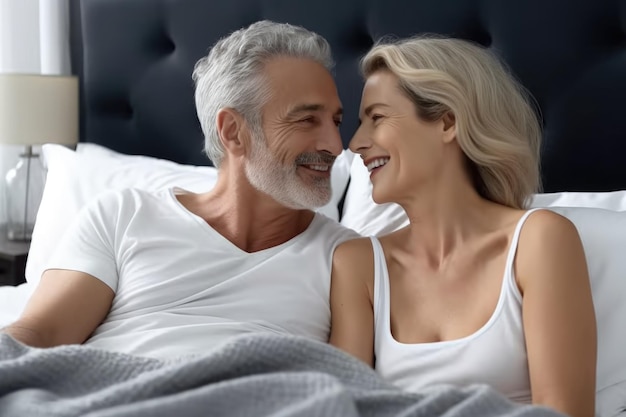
(34, 38)
(19, 52)
(19, 36)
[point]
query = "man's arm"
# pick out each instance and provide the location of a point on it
(65, 308)
(558, 314)
(68, 304)
(352, 315)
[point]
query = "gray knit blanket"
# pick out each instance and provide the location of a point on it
(256, 375)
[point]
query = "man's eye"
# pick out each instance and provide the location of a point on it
(376, 117)
(307, 120)
(338, 122)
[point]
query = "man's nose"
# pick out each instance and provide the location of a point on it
(331, 141)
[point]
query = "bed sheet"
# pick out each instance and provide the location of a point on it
(12, 301)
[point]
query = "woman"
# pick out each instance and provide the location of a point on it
(476, 289)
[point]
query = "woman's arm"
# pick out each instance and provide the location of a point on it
(352, 316)
(558, 315)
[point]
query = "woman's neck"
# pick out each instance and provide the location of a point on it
(444, 217)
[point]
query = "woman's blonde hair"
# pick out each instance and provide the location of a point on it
(497, 127)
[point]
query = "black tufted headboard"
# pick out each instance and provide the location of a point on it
(135, 59)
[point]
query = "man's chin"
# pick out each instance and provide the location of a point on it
(319, 201)
(311, 201)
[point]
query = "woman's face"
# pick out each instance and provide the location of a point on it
(401, 151)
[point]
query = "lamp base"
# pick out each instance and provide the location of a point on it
(24, 189)
(20, 232)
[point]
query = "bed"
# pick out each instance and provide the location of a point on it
(139, 126)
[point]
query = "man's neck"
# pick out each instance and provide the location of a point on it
(249, 219)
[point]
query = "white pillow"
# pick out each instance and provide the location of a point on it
(340, 173)
(614, 200)
(601, 222)
(363, 215)
(74, 178)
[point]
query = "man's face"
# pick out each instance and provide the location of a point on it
(293, 162)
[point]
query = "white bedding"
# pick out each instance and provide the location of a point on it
(12, 302)
(604, 242)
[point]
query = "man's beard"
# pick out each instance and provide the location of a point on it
(282, 182)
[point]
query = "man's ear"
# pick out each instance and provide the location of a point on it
(232, 132)
(449, 127)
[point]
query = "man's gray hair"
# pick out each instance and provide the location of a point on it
(232, 74)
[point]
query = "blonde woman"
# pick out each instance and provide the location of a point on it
(476, 289)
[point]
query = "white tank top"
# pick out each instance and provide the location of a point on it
(494, 355)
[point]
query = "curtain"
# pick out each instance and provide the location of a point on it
(34, 38)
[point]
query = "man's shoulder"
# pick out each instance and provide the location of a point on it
(332, 228)
(129, 197)
(122, 203)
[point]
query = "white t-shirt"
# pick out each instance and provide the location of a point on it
(181, 288)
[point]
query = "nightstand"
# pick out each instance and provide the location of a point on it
(12, 259)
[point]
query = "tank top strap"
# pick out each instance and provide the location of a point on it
(380, 284)
(510, 259)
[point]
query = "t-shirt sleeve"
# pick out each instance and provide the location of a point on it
(88, 245)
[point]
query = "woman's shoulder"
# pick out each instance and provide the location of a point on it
(353, 249)
(536, 223)
(353, 261)
(545, 225)
(548, 242)
(545, 234)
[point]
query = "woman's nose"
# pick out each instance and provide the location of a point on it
(359, 141)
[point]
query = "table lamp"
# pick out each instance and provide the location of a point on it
(34, 110)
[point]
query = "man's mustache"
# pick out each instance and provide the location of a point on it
(315, 158)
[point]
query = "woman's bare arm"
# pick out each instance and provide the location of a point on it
(558, 314)
(352, 323)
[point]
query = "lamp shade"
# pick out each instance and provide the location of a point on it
(37, 109)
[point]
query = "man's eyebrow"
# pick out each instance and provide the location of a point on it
(302, 108)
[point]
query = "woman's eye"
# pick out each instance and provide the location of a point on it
(338, 122)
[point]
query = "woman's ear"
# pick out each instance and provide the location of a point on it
(449, 127)
(231, 130)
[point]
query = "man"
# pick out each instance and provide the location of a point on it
(175, 273)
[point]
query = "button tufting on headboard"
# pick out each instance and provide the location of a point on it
(135, 59)
(622, 15)
(165, 44)
(358, 38)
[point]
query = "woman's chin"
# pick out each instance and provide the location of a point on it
(380, 197)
